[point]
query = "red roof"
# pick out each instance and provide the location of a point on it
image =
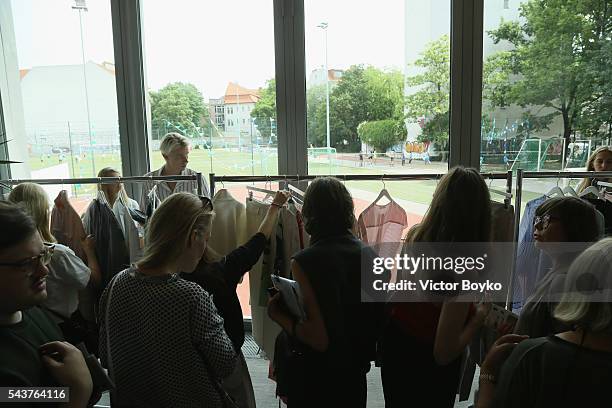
(235, 93)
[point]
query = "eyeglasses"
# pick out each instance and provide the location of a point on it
(30, 264)
(207, 203)
(543, 221)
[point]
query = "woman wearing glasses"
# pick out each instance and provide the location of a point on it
(161, 336)
(67, 272)
(563, 228)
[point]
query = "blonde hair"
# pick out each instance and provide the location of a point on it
(172, 141)
(169, 229)
(36, 202)
(591, 166)
(106, 172)
(587, 299)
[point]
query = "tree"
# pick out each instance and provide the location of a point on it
(382, 134)
(178, 106)
(316, 120)
(557, 57)
(363, 94)
(431, 98)
(264, 111)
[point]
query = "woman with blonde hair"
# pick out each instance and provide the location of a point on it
(600, 160)
(161, 336)
(569, 369)
(423, 341)
(67, 272)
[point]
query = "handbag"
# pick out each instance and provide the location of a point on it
(226, 399)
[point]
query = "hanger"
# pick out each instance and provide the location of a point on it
(569, 190)
(502, 193)
(590, 190)
(555, 191)
(268, 193)
(295, 190)
(383, 192)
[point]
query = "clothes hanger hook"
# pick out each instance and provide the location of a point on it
(383, 181)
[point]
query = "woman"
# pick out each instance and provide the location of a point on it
(125, 210)
(220, 279)
(175, 150)
(67, 273)
(600, 160)
(570, 369)
(563, 227)
(161, 336)
(337, 338)
(423, 342)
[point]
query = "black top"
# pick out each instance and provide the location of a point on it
(20, 361)
(339, 268)
(220, 279)
(552, 372)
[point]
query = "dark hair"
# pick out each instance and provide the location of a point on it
(328, 207)
(576, 216)
(17, 225)
(460, 210)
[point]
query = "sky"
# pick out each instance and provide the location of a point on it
(210, 43)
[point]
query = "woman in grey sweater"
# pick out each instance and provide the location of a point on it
(161, 336)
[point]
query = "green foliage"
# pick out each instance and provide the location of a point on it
(561, 61)
(431, 99)
(382, 134)
(363, 94)
(265, 109)
(316, 115)
(180, 104)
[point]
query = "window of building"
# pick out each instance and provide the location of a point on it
(398, 78)
(61, 105)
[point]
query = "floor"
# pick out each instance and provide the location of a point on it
(265, 388)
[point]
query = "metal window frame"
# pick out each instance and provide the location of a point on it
(134, 118)
(466, 82)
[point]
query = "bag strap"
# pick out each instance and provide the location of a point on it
(109, 361)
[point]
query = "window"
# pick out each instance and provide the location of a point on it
(230, 79)
(60, 107)
(368, 89)
(542, 101)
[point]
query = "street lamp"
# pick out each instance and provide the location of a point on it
(81, 6)
(323, 26)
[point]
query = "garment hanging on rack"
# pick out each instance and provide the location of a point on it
(383, 224)
(264, 329)
(229, 229)
(66, 225)
(605, 208)
(163, 191)
(130, 229)
(111, 249)
(502, 222)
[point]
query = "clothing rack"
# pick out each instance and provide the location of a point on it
(213, 179)
(108, 180)
(522, 175)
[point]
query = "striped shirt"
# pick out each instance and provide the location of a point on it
(163, 191)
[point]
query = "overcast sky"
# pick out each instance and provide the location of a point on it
(210, 43)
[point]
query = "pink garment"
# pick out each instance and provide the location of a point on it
(379, 224)
(66, 225)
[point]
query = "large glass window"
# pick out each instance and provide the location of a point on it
(545, 84)
(222, 98)
(378, 84)
(58, 89)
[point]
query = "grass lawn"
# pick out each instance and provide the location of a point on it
(261, 162)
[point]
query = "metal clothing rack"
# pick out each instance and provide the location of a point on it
(522, 175)
(213, 179)
(108, 180)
